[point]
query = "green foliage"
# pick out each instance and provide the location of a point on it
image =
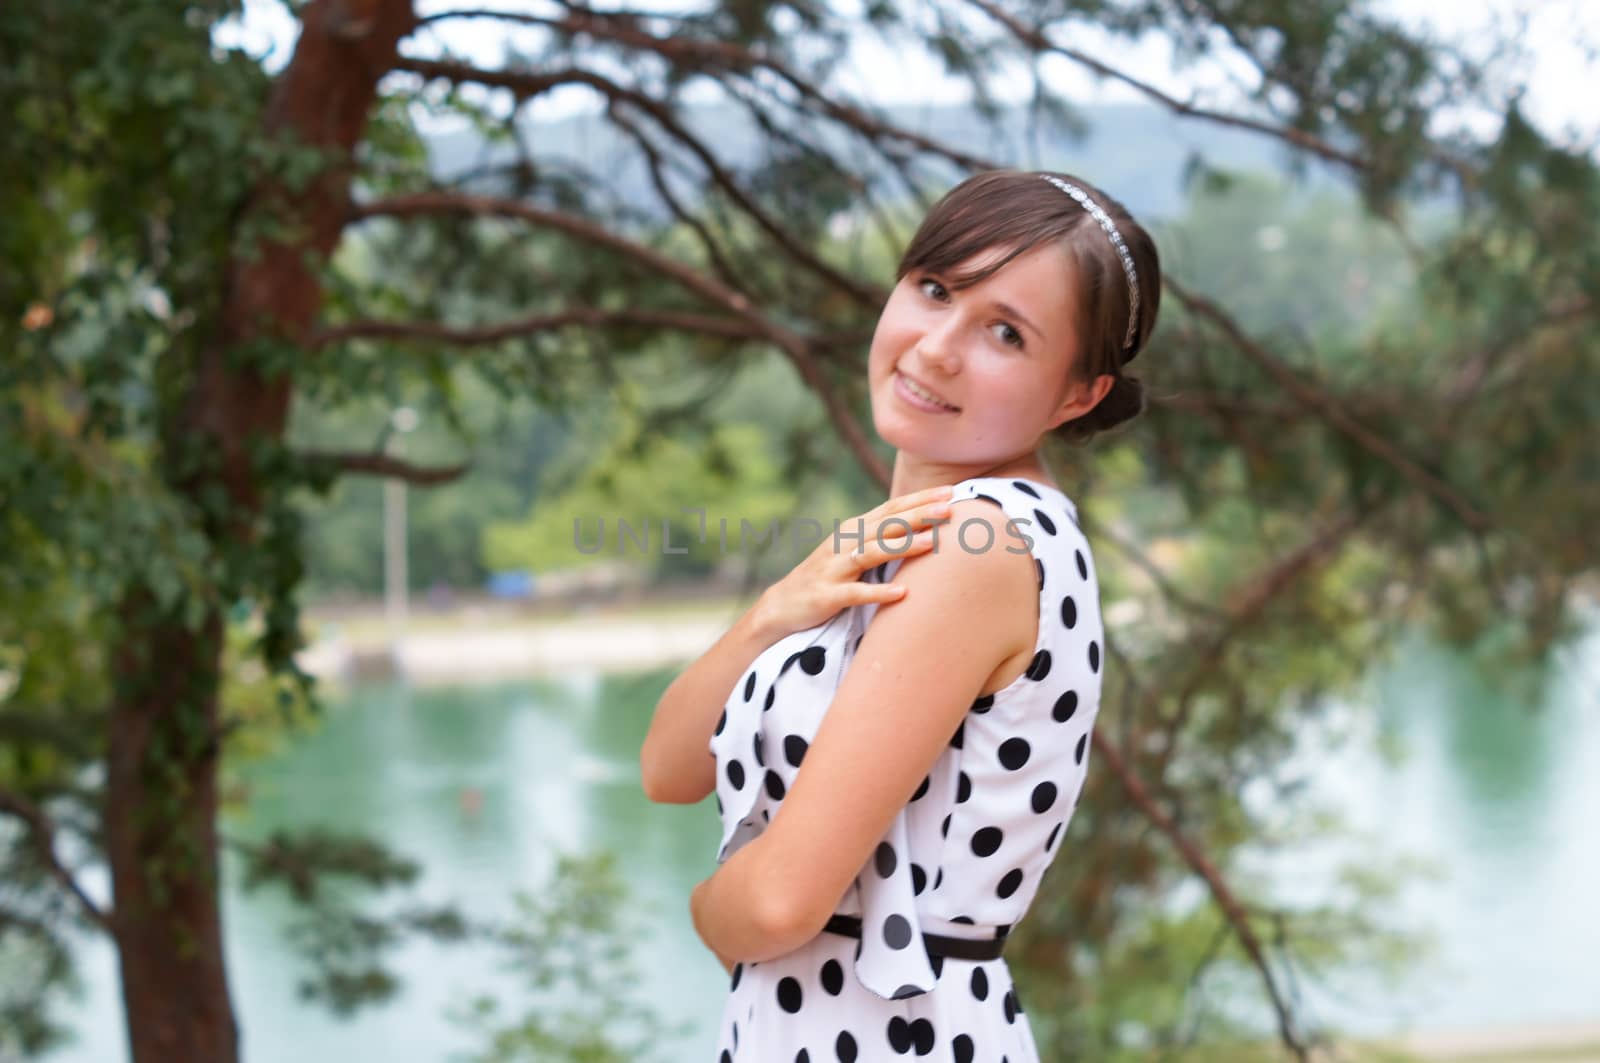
(648, 485)
(569, 947)
(140, 178)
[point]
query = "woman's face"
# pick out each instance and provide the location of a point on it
(999, 351)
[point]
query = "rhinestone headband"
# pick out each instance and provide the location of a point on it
(1116, 241)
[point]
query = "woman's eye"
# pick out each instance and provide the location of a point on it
(932, 289)
(1008, 334)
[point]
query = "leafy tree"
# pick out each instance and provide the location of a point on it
(192, 248)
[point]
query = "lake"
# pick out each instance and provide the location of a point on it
(484, 784)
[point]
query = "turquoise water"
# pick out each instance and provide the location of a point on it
(1500, 790)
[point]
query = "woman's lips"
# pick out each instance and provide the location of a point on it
(916, 400)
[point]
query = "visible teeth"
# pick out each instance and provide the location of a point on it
(915, 390)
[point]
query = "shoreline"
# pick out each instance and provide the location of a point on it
(492, 643)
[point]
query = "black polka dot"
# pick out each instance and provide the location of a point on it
(1024, 487)
(812, 659)
(907, 990)
(922, 1036)
(719, 803)
(919, 879)
(885, 859)
(983, 704)
(772, 692)
(937, 963)
(896, 932)
(789, 995)
(1083, 567)
(1083, 745)
(1038, 569)
(960, 735)
(1010, 1006)
(774, 786)
(1069, 611)
(899, 1035)
(963, 787)
(802, 1056)
(736, 774)
(986, 841)
(1066, 705)
(845, 1047)
(832, 978)
(749, 686)
(963, 1048)
(1094, 656)
(944, 828)
(1008, 884)
(1014, 753)
(724, 1058)
(1040, 666)
(722, 721)
(980, 984)
(1050, 841)
(1045, 522)
(738, 970)
(964, 920)
(938, 878)
(756, 745)
(921, 790)
(794, 750)
(1044, 795)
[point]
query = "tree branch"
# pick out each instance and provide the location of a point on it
(1035, 39)
(1326, 407)
(43, 832)
(591, 316)
(376, 463)
(527, 83)
(1197, 860)
(798, 348)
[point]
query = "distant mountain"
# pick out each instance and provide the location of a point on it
(1138, 153)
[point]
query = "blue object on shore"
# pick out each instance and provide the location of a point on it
(512, 583)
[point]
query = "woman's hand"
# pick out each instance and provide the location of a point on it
(829, 581)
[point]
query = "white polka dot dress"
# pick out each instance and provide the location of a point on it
(962, 859)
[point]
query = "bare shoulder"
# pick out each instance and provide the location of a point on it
(981, 567)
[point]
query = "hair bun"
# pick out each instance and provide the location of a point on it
(1123, 402)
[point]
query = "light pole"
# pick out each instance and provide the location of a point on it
(395, 572)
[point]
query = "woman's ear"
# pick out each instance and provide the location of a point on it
(1081, 398)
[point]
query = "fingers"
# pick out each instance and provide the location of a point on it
(900, 545)
(913, 499)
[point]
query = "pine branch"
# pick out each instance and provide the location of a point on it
(477, 335)
(800, 349)
(43, 832)
(376, 463)
(1323, 404)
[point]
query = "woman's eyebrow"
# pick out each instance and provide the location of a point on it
(1011, 311)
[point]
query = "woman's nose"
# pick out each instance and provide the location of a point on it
(939, 347)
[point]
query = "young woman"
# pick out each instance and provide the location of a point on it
(910, 711)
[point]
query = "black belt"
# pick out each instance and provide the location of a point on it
(937, 944)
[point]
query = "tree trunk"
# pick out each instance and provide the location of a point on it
(161, 785)
(160, 820)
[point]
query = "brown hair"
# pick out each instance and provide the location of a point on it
(1018, 211)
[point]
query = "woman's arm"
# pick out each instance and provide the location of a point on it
(674, 762)
(913, 680)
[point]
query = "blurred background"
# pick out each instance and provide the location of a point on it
(393, 398)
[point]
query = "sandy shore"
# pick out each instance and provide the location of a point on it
(494, 647)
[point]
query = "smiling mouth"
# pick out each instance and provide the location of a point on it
(924, 394)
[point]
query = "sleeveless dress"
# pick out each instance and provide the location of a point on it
(963, 858)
